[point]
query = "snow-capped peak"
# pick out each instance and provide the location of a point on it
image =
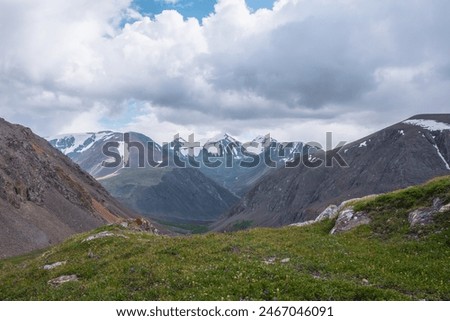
(224, 139)
(77, 143)
(264, 140)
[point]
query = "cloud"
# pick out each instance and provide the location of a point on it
(344, 65)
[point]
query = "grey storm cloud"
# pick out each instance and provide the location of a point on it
(64, 67)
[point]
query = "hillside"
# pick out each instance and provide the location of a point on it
(171, 195)
(392, 257)
(44, 196)
(405, 154)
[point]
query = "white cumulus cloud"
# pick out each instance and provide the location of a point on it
(301, 67)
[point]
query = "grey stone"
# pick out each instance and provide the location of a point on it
(330, 212)
(269, 261)
(422, 216)
(303, 223)
(348, 219)
(54, 265)
(102, 235)
(63, 279)
(437, 203)
(444, 208)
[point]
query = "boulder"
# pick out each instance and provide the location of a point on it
(425, 215)
(303, 223)
(54, 265)
(348, 219)
(445, 208)
(63, 279)
(329, 213)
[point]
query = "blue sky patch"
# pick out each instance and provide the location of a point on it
(190, 8)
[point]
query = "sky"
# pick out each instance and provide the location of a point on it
(293, 68)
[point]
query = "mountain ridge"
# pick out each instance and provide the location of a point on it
(398, 156)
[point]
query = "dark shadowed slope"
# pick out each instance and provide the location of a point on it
(44, 196)
(183, 195)
(408, 153)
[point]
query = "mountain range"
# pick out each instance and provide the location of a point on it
(404, 154)
(237, 178)
(86, 149)
(169, 193)
(407, 153)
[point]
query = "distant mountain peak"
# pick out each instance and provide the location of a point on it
(223, 138)
(86, 149)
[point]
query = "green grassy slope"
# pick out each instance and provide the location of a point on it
(385, 260)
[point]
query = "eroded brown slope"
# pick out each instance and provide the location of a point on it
(44, 196)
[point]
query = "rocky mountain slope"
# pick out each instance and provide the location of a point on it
(44, 196)
(408, 153)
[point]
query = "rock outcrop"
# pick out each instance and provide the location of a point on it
(333, 211)
(348, 219)
(425, 216)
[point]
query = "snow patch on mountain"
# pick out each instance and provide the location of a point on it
(260, 144)
(223, 143)
(442, 157)
(428, 124)
(77, 143)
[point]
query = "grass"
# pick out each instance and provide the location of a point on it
(412, 197)
(389, 212)
(185, 228)
(380, 261)
(241, 225)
